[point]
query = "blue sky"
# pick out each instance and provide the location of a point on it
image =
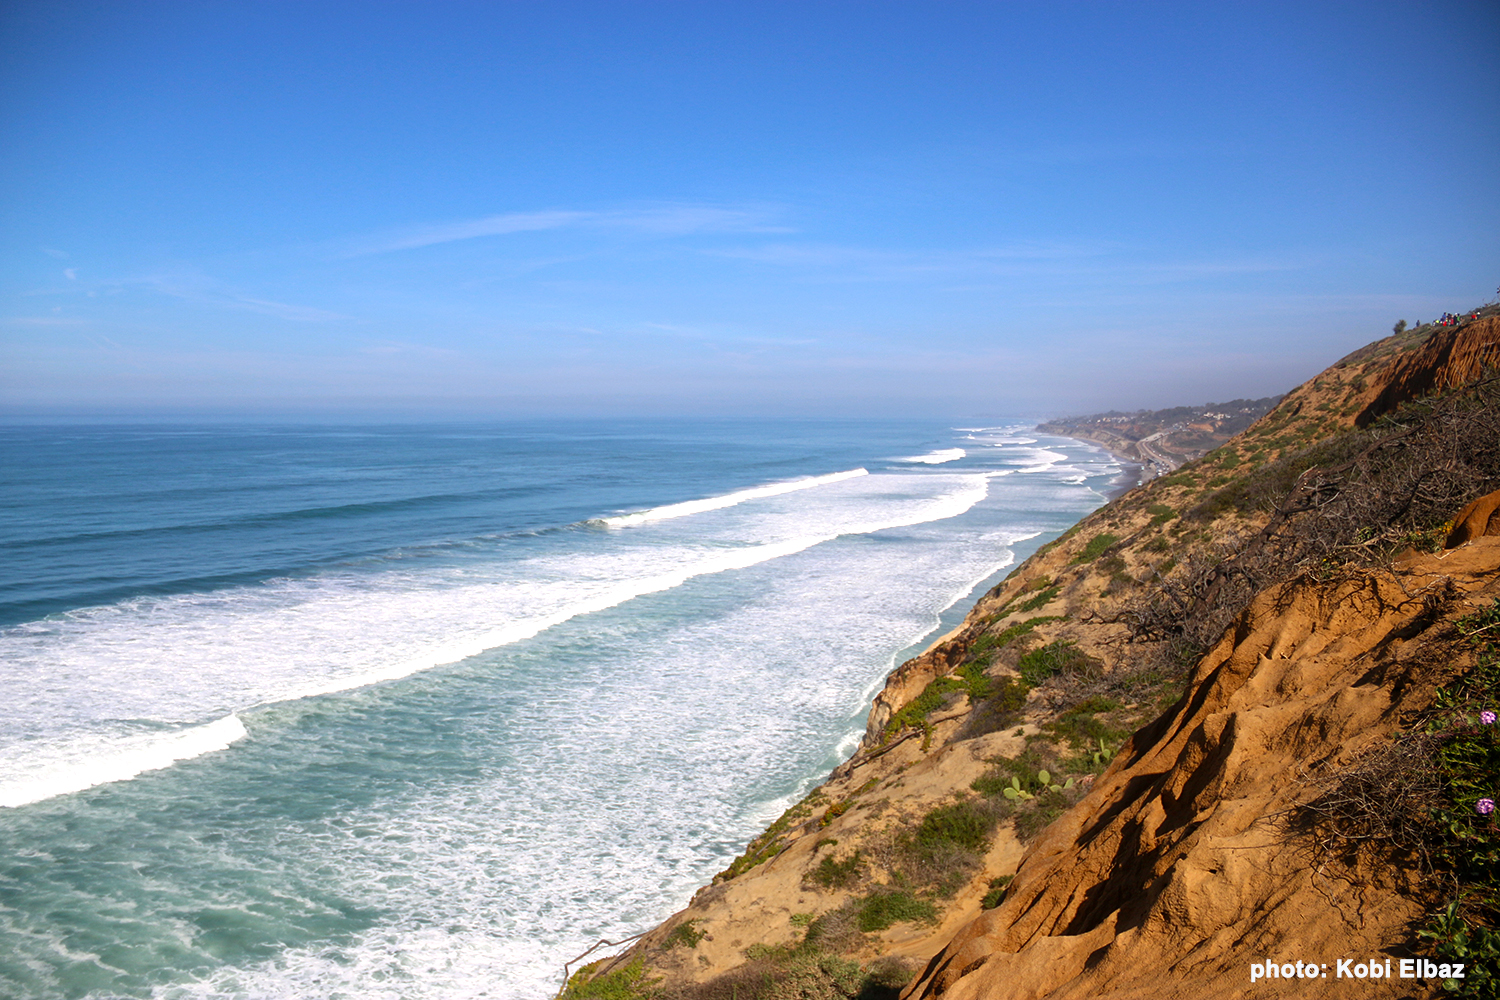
(813, 208)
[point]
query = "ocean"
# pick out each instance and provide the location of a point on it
(424, 711)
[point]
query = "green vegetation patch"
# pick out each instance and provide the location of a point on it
(914, 713)
(996, 895)
(1050, 660)
(766, 846)
(885, 907)
(630, 982)
(1160, 514)
(961, 824)
(831, 874)
(1465, 827)
(1081, 726)
(1023, 767)
(1031, 793)
(1264, 486)
(1013, 632)
(970, 679)
(1030, 822)
(1041, 599)
(684, 935)
(1094, 548)
(1010, 695)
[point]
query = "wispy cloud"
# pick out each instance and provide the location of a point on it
(494, 225)
(833, 263)
(204, 291)
(653, 220)
(42, 321)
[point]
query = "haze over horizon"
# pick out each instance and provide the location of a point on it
(957, 210)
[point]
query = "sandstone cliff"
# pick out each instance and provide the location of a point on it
(1113, 780)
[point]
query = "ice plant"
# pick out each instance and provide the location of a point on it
(1484, 806)
(1487, 717)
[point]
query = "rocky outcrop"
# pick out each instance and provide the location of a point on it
(1452, 356)
(1480, 518)
(1179, 869)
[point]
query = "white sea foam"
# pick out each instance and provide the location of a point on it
(935, 457)
(201, 655)
(728, 499)
(86, 762)
(771, 678)
(1042, 460)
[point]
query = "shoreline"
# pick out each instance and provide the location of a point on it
(1132, 469)
(1132, 474)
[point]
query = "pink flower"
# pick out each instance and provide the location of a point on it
(1487, 717)
(1484, 806)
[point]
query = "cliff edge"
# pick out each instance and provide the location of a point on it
(1227, 726)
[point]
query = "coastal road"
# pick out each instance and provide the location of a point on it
(1161, 464)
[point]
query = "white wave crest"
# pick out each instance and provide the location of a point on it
(1045, 459)
(72, 768)
(170, 657)
(951, 505)
(728, 500)
(935, 457)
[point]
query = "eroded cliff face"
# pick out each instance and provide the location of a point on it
(1182, 866)
(1452, 356)
(1136, 812)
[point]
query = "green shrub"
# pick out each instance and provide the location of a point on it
(831, 874)
(1094, 548)
(1013, 632)
(962, 824)
(1030, 822)
(1080, 726)
(914, 713)
(996, 895)
(1160, 514)
(885, 907)
(627, 983)
(684, 935)
(833, 812)
(1010, 695)
(1466, 834)
(1041, 599)
(976, 684)
(998, 778)
(1054, 658)
(768, 844)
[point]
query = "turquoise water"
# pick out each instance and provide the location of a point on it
(424, 712)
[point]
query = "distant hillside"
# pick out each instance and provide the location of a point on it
(1229, 718)
(1162, 440)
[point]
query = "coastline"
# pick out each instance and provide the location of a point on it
(1132, 474)
(1132, 469)
(983, 727)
